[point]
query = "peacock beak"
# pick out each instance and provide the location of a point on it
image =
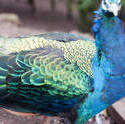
(114, 8)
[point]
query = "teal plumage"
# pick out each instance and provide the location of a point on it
(44, 74)
(45, 78)
(58, 73)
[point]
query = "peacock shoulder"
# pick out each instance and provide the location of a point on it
(76, 49)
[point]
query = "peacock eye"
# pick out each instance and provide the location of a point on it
(105, 2)
(99, 54)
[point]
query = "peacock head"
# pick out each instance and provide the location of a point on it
(111, 7)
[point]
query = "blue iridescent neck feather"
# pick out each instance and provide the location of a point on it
(97, 21)
(110, 58)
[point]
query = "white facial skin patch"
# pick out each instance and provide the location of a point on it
(112, 7)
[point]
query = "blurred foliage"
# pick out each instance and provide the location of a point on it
(69, 8)
(52, 4)
(123, 3)
(85, 4)
(85, 9)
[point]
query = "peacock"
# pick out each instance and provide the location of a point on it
(55, 74)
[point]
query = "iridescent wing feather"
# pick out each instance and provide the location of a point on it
(44, 79)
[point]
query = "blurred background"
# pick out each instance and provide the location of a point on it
(26, 17)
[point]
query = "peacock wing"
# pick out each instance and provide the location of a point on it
(44, 80)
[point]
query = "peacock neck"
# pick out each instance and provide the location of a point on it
(108, 63)
(107, 30)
